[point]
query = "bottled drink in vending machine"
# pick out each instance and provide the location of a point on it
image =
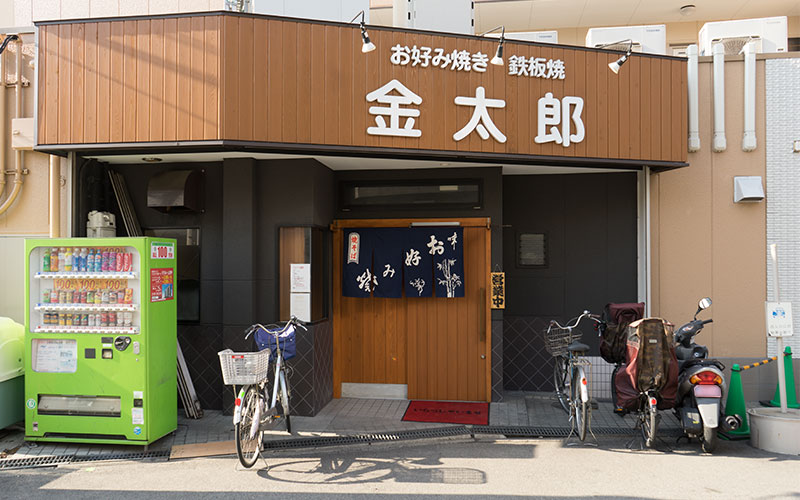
(54, 260)
(68, 259)
(46, 261)
(90, 260)
(61, 252)
(54, 296)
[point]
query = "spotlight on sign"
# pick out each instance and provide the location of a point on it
(616, 65)
(366, 45)
(497, 60)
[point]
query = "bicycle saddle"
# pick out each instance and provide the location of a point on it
(578, 347)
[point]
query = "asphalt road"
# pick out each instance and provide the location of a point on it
(479, 468)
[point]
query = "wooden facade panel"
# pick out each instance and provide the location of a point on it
(247, 78)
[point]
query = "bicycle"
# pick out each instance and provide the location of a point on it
(570, 371)
(251, 371)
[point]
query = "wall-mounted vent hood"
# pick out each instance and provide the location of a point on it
(176, 190)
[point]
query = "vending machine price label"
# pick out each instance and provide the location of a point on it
(90, 284)
(162, 250)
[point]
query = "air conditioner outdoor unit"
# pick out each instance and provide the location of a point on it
(534, 36)
(651, 39)
(769, 33)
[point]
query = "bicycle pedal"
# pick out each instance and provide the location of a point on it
(620, 411)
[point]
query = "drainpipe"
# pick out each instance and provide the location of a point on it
(749, 139)
(719, 98)
(17, 153)
(694, 127)
(3, 119)
(55, 198)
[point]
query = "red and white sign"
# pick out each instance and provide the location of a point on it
(353, 246)
(162, 285)
(162, 251)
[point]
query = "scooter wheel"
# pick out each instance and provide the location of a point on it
(709, 440)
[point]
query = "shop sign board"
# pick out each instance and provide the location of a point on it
(779, 319)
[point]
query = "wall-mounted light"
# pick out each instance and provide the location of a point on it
(497, 60)
(616, 65)
(366, 45)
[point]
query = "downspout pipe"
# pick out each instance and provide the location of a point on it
(55, 198)
(18, 152)
(720, 144)
(749, 138)
(692, 74)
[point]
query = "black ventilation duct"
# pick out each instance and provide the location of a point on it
(176, 190)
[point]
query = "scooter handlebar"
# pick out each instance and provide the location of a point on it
(707, 321)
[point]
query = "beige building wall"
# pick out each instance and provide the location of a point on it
(28, 216)
(704, 244)
(27, 12)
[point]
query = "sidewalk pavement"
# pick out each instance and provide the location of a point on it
(341, 417)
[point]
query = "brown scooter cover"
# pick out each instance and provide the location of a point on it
(650, 365)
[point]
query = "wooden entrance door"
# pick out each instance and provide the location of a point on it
(440, 348)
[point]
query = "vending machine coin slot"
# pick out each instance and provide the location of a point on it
(108, 354)
(122, 343)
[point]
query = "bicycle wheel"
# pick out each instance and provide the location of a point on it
(560, 381)
(248, 430)
(649, 426)
(580, 408)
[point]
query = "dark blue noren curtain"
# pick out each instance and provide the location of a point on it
(387, 248)
(357, 277)
(447, 245)
(418, 278)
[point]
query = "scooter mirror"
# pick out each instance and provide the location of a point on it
(704, 303)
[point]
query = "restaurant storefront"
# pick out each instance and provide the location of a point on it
(443, 165)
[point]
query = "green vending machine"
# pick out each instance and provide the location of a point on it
(100, 340)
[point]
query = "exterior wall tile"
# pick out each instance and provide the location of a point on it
(194, 5)
(133, 7)
(782, 186)
(23, 12)
(44, 10)
(104, 8)
(74, 9)
(164, 6)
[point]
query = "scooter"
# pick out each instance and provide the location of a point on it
(701, 386)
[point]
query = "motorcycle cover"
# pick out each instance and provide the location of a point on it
(614, 337)
(650, 364)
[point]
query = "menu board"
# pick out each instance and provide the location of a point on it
(54, 355)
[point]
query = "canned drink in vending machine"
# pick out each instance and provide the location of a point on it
(62, 297)
(127, 264)
(90, 297)
(120, 262)
(62, 319)
(112, 297)
(120, 319)
(53, 296)
(112, 318)
(46, 296)
(128, 296)
(90, 320)
(103, 319)
(128, 318)
(84, 296)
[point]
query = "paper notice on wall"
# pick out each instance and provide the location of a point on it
(300, 276)
(54, 355)
(300, 306)
(161, 284)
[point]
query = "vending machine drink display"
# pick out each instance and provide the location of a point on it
(100, 337)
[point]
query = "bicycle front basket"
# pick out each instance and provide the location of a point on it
(266, 340)
(243, 368)
(556, 340)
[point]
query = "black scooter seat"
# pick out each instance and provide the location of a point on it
(702, 362)
(578, 347)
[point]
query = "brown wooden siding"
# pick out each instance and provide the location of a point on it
(246, 78)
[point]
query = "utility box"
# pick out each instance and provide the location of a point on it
(100, 337)
(22, 133)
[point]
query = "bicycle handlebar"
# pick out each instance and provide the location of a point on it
(586, 314)
(293, 321)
